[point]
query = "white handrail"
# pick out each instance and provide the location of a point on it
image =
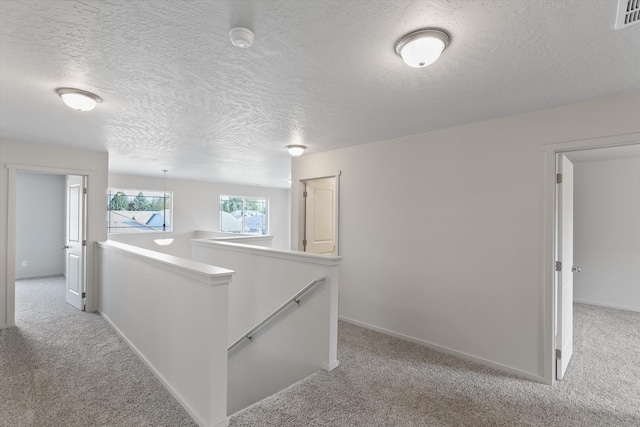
(296, 298)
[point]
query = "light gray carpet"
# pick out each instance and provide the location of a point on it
(64, 367)
(384, 381)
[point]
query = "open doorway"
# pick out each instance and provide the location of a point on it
(607, 229)
(50, 230)
(40, 220)
(319, 215)
(625, 157)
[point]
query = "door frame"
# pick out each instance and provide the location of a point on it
(549, 247)
(76, 299)
(301, 210)
(13, 170)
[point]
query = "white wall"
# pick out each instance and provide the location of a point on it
(40, 225)
(173, 313)
(50, 159)
(196, 206)
(442, 233)
(607, 232)
(293, 345)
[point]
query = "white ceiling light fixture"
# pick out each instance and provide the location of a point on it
(164, 238)
(241, 37)
(423, 47)
(296, 149)
(77, 99)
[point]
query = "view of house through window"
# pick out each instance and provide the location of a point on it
(244, 214)
(138, 211)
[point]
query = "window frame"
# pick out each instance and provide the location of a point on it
(131, 194)
(267, 208)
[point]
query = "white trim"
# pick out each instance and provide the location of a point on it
(462, 355)
(222, 423)
(91, 288)
(244, 198)
(11, 246)
(38, 275)
(49, 170)
(131, 191)
(194, 270)
(301, 211)
(310, 258)
(602, 304)
(221, 236)
(548, 294)
(330, 367)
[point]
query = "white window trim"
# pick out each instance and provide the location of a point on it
(129, 191)
(244, 199)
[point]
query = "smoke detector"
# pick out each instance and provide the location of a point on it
(628, 13)
(241, 37)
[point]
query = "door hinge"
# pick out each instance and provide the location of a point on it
(304, 194)
(84, 295)
(304, 243)
(558, 265)
(84, 191)
(558, 353)
(84, 243)
(558, 178)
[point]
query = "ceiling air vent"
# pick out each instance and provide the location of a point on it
(628, 13)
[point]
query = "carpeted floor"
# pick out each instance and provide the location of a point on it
(384, 381)
(63, 367)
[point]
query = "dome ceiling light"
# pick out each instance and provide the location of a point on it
(296, 149)
(77, 99)
(423, 47)
(241, 37)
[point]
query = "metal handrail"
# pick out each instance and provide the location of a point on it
(296, 298)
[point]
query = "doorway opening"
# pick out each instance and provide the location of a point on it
(559, 238)
(319, 215)
(47, 223)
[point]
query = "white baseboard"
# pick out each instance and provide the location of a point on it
(331, 366)
(601, 304)
(37, 276)
(167, 385)
(462, 355)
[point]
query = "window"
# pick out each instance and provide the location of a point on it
(138, 211)
(247, 215)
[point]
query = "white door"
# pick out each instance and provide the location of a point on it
(564, 278)
(76, 241)
(320, 216)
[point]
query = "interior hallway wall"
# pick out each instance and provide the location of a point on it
(40, 225)
(607, 233)
(196, 206)
(442, 233)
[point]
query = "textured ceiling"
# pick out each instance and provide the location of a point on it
(177, 95)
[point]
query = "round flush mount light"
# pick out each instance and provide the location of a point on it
(241, 37)
(296, 149)
(77, 99)
(423, 47)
